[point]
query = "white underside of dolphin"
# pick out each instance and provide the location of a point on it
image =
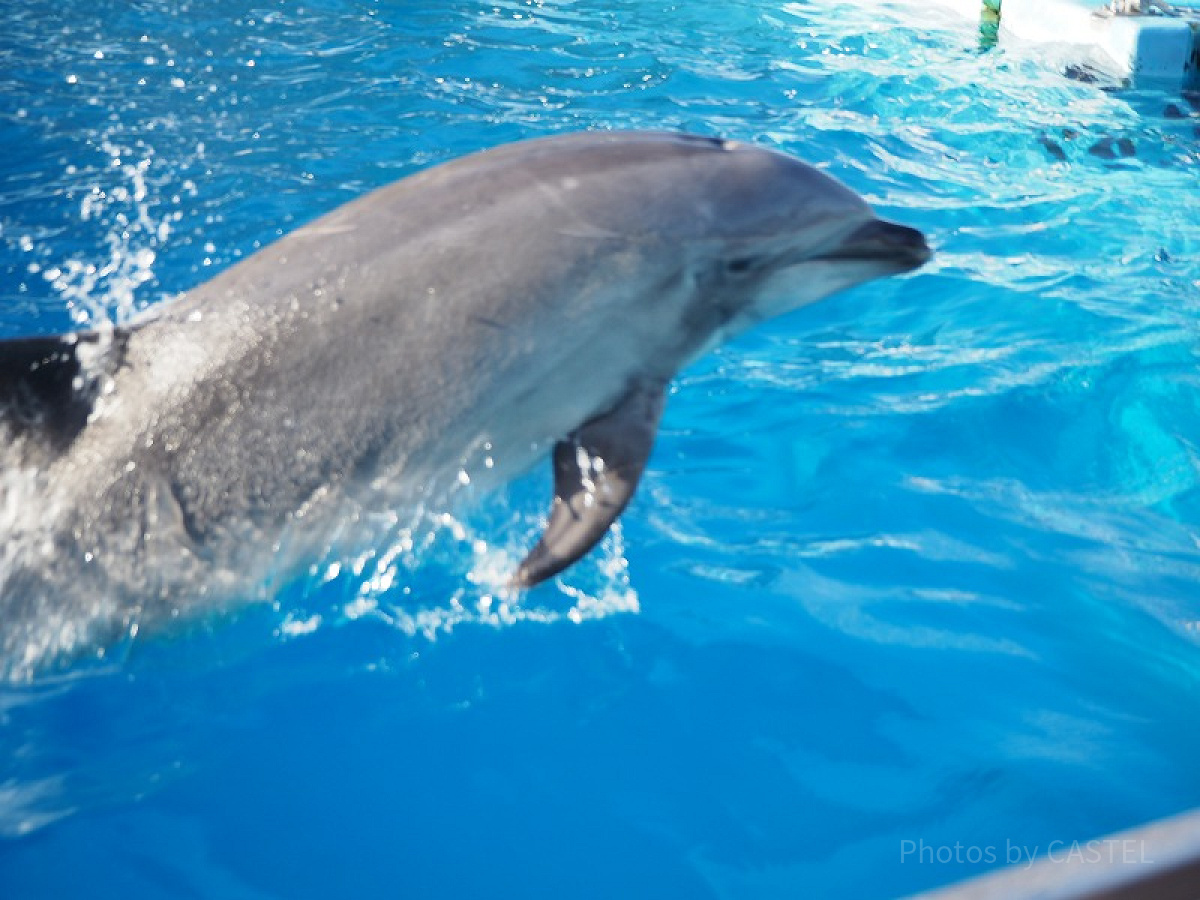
(533, 298)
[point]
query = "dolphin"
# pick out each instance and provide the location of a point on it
(453, 326)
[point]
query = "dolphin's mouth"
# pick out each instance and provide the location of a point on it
(886, 242)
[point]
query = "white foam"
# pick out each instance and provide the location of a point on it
(390, 580)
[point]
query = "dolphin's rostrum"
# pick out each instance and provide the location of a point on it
(461, 321)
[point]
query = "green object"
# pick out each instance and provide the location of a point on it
(989, 24)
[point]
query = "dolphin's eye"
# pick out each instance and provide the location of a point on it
(742, 264)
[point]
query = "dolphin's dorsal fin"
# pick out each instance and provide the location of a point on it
(46, 393)
(596, 471)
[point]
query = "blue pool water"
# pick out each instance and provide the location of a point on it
(909, 589)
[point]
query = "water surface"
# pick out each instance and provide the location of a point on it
(915, 566)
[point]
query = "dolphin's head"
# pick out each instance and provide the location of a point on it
(723, 234)
(676, 242)
(772, 234)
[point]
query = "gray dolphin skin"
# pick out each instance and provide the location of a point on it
(457, 325)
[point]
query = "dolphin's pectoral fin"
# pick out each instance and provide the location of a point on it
(596, 471)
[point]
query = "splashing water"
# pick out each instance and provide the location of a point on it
(102, 292)
(385, 581)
